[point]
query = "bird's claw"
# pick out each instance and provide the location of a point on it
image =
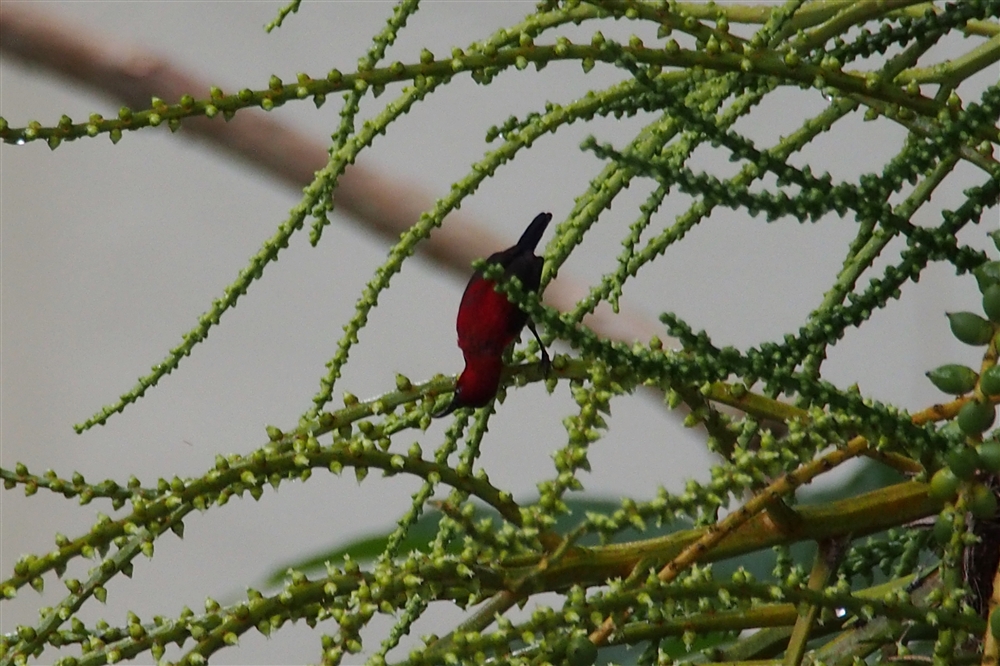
(546, 364)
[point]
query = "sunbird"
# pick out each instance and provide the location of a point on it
(488, 323)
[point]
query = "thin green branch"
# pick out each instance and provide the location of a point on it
(760, 62)
(291, 8)
(850, 15)
(950, 72)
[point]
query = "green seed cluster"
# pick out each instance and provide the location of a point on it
(929, 26)
(895, 555)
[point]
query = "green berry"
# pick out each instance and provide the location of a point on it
(581, 652)
(989, 455)
(990, 383)
(970, 328)
(975, 417)
(953, 378)
(987, 274)
(995, 623)
(944, 484)
(983, 503)
(991, 302)
(963, 461)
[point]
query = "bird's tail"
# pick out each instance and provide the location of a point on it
(529, 239)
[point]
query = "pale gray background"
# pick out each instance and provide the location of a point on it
(109, 254)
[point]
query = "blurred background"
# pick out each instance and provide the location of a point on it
(111, 252)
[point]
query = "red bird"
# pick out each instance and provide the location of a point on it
(488, 323)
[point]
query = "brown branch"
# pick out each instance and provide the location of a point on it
(389, 207)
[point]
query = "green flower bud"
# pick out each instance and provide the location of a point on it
(970, 328)
(953, 378)
(581, 652)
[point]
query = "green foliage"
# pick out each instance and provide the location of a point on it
(786, 424)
